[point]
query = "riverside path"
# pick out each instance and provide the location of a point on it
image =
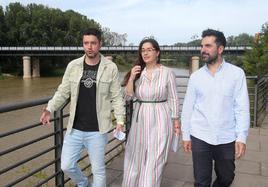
(251, 170)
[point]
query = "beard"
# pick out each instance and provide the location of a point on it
(92, 55)
(209, 59)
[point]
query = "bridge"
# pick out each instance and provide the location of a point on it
(33, 53)
(107, 50)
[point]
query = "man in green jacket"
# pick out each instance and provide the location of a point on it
(91, 82)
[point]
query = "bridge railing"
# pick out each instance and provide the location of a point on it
(111, 48)
(39, 51)
(30, 154)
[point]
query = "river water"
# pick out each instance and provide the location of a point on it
(17, 89)
(14, 90)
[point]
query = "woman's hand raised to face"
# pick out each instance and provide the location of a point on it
(134, 71)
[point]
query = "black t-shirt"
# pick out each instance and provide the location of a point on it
(86, 114)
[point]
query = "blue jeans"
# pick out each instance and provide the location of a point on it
(73, 144)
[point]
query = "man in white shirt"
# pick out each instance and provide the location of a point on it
(215, 114)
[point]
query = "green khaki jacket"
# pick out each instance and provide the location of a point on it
(108, 93)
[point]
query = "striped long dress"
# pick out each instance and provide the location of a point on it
(151, 131)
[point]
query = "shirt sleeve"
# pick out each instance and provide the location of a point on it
(241, 109)
(128, 97)
(173, 98)
(117, 98)
(187, 110)
(62, 93)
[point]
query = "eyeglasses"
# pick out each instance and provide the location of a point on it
(147, 50)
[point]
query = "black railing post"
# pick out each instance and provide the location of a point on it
(58, 141)
(255, 115)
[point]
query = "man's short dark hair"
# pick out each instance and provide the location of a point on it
(220, 38)
(93, 31)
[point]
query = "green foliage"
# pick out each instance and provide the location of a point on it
(243, 39)
(256, 60)
(174, 60)
(1, 76)
(53, 66)
(38, 25)
(195, 42)
(234, 59)
(124, 62)
(240, 40)
(2, 27)
(10, 66)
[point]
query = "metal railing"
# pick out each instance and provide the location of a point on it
(56, 177)
(258, 95)
(261, 99)
(38, 162)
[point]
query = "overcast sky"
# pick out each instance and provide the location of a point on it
(169, 21)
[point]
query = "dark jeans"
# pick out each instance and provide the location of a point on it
(224, 166)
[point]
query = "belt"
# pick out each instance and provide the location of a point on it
(141, 101)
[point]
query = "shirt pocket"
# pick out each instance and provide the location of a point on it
(104, 86)
(74, 84)
(227, 90)
(74, 79)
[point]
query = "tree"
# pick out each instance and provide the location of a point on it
(2, 27)
(256, 60)
(194, 42)
(16, 21)
(113, 38)
(243, 39)
(39, 25)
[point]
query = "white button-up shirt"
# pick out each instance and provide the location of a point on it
(216, 107)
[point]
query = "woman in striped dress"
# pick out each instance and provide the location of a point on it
(156, 115)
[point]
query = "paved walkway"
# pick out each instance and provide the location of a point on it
(251, 170)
